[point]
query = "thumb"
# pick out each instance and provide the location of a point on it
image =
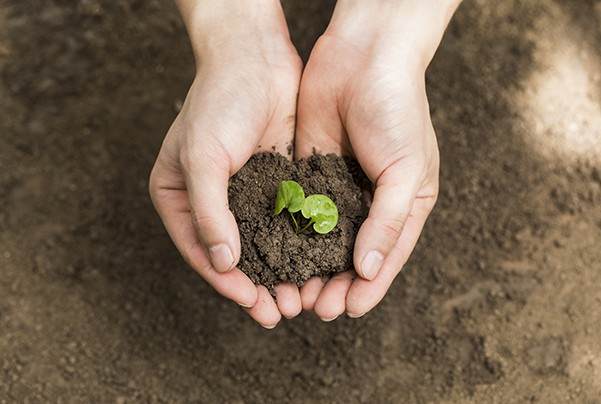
(396, 189)
(207, 182)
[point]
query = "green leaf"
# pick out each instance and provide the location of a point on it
(290, 195)
(322, 211)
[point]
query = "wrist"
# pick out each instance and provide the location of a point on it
(393, 30)
(232, 28)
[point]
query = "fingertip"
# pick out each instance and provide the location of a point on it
(265, 311)
(328, 312)
(331, 302)
(247, 295)
(242, 291)
(214, 223)
(222, 241)
(371, 265)
(392, 203)
(310, 291)
(222, 257)
(364, 295)
(288, 300)
(372, 244)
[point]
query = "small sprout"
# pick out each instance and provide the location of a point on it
(319, 209)
(291, 196)
(322, 213)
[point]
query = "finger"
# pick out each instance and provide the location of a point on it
(207, 181)
(395, 194)
(310, 291)
(364, 295)
(318, 125)
(288, 300)
(265, 311)
(279, 137)
(331, 302)
(174, 209)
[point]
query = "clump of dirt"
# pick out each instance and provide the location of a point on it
(272, 252)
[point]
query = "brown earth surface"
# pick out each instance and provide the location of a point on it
(501, 301)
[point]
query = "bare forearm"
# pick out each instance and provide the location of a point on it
(407, 28)
(215, 26)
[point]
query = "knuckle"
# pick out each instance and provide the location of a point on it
(202, 221)
(425, 206)
(154, 181)
(190, 252)
(208, 157)
(187, 259)
(392, 227)
(186, 157)
(157, 194)
(431, 203)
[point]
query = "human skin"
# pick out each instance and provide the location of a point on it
(243, 96)
(363, 94)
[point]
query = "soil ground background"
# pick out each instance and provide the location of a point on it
(501, 301)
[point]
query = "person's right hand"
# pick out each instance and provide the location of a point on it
(243, 96)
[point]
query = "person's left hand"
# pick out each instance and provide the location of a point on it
(363, 94)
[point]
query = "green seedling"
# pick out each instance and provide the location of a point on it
(322, 213)
(291, 196)
(319, 209)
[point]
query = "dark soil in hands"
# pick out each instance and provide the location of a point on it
(272, 252)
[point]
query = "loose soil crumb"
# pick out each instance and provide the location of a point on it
(272, 252)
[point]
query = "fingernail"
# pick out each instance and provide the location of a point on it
(327, 320)
(355, 315)
(371, 264)
(245, 306)
(221, 257)
(268, 327)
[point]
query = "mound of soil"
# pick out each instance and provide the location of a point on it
(272, 252)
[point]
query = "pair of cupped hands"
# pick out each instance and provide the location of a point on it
(362, 93)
